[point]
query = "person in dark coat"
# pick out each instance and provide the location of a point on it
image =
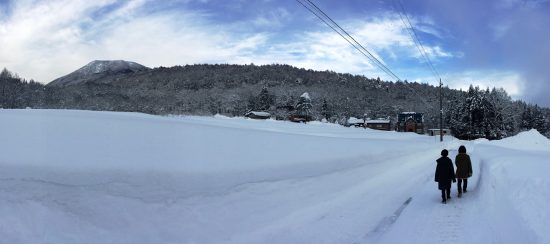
(463, 169)
(444, 174)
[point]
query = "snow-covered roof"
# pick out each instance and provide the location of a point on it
(305, 95)
(377, 121)
(404, 116)
(353, 120)
(263, 114)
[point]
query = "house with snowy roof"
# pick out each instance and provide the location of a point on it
(410, 122)
(378, 124)
(258, 115)
(356, 122)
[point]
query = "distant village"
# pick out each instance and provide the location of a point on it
(406, 122)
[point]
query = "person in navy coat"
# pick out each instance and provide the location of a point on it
(445, 175)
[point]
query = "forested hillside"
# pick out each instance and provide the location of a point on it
(235, 89)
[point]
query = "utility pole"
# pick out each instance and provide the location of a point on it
(440, 110)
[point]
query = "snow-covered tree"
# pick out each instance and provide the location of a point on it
(262, 102)
(505, 114)
(265, 100)
(303, 107)
(476, 116)
(325, 110)
(533, 118)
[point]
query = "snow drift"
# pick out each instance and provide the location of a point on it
(102, 177)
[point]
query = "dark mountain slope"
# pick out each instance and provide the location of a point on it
(98, 70)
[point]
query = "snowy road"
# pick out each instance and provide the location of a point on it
(426, 220)
(485, 214)
(97, 177)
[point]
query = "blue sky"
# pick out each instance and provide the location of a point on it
(502, 43)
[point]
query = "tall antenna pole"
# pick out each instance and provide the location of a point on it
(440, 110)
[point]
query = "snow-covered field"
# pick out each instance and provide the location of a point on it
(102, 177)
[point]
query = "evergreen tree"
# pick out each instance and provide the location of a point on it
(265, 100)
(11, 90)
(476, 117)
(262, 102)
(504, 114)
(457, 117)
(325, 110)
(527, 118)
(303, 107)
(537, 120)
(491, 124)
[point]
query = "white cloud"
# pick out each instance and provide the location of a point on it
(389, 34)
(314, 50)
(45, 40)
(511, 81)
(38, 30)
(322, 50)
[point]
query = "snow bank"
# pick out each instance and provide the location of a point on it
(515, 190)
(527, 140)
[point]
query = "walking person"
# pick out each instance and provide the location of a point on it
(463, 169)
(444, 174)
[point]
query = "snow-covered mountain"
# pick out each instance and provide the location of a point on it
(103, 177)
(96, 70)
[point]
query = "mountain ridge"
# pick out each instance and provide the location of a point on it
(96, 70)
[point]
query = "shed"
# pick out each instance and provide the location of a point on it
(258, 115)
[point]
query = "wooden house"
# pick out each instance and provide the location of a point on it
(378, 124)
(410, 122)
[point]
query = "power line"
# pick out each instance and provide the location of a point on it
(344, 34)
(424, 54)
(416, 40)
(380, 64)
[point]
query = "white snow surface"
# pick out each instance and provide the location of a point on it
(103, 177)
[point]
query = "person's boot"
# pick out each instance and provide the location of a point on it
(465, 190)
(444, 201)
(459, 194)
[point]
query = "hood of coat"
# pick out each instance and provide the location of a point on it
(441, 159)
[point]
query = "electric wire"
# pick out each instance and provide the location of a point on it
(380, 64)
(338, 29)
(412, 32)
(344, 34)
